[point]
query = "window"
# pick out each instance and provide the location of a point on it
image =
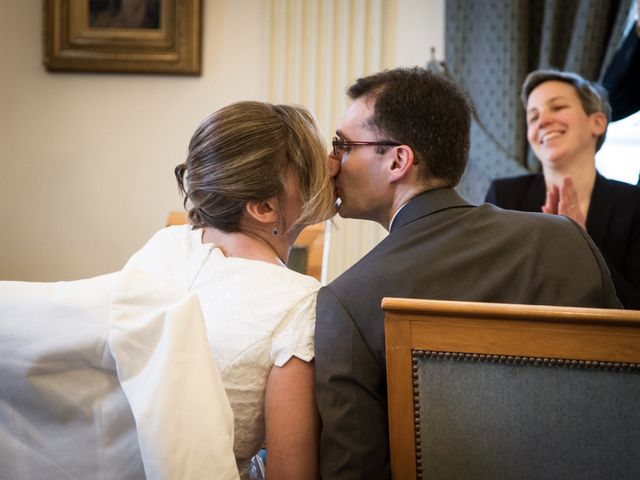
(619, 157)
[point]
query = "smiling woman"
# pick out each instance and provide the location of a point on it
(567, 119)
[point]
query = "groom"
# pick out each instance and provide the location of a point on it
(400, 150)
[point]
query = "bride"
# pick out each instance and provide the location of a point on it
(256, 174)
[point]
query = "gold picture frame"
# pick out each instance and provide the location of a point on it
(118, 36)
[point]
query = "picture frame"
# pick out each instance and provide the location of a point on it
(126, 36)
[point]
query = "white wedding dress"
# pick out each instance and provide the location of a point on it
(124, 376)
(109, 378)
(256, 314)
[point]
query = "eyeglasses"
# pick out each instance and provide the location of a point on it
(339, 145)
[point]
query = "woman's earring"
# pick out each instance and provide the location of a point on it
(274, 232)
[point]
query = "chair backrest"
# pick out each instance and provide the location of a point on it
(306, 254)
(490, 391)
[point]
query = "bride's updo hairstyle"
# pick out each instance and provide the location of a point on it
(242, 153)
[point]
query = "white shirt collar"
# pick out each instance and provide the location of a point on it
(396, 214)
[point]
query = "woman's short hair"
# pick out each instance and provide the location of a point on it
(592, 95)
(243, 153)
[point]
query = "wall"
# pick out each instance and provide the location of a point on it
(317, 49)
(87, 159)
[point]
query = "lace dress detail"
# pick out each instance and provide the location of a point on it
(257, 315)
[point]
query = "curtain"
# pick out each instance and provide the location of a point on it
(491, 45)
(316, 49)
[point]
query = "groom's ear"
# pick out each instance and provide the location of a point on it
(402, 162)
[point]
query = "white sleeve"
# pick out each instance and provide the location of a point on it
(60, 401)
(294, 336)
(183, 418)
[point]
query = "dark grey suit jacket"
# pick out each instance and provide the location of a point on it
(439, 247)
(613, 223)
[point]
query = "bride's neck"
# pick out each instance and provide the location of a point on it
(248, 245)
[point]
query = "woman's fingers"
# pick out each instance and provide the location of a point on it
(551, 203)
(569, 203)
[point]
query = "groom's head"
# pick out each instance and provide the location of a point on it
(406, 126)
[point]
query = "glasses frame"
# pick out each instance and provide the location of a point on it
(339, 145)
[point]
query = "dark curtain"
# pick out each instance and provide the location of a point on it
(491, 45)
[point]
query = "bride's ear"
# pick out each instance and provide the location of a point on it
(264, 211)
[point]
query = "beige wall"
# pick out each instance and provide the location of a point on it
(87, 159)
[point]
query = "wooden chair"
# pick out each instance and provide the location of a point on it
(306, 254)
(491, 391)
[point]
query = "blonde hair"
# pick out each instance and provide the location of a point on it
(242, 153)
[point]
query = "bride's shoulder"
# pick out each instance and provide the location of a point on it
(168, 242)
(171, 237)
(299, 283)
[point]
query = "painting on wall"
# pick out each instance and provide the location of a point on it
(132, 36)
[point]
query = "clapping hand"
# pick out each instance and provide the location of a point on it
(564, 201)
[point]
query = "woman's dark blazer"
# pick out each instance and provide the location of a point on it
(613, 223)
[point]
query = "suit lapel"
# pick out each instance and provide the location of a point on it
(600, 209)
(428, 203)
(534, 197)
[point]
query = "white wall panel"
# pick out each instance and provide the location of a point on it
(318, 48)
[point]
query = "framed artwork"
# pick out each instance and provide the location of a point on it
(133, 36)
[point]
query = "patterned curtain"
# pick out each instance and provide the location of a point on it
(491, 45)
